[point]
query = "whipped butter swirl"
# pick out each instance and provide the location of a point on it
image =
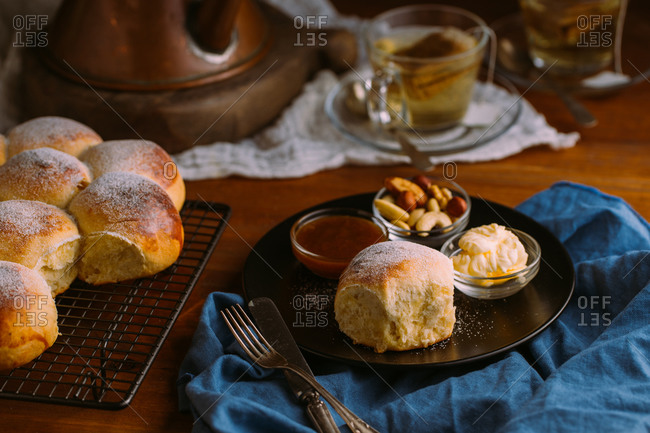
(490, 251)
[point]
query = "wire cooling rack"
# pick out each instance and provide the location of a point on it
(110, 334)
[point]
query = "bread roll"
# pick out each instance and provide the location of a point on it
(41, 237)
(396, 295)
(141, 157)
(130, 228)
(44, 174)
(59, 133)
(27, 316)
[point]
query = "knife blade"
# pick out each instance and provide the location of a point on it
(271, 324)
(419, 159)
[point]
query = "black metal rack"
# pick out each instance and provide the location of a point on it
(111, 334)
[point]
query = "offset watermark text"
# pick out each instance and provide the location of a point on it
(170, 170)
(593, 310)
(313, 36)
(449, 170)
(310, 311)
(29, 310)
(29, 31)
(593, 30)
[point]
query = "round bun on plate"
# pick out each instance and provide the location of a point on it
(28, 318)
(41, 237)
(141, 157)
(130, 228)
(59, 133)
(396, 295)
(43, 174)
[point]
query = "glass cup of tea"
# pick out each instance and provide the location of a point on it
(572, 38)
(425, 62)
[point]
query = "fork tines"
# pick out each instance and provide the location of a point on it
(242, 327)
(263, 354)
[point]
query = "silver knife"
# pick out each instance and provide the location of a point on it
(271, 324)
(419, 159)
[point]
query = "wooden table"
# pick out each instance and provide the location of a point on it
(612, 157)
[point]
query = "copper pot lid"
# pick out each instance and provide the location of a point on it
(146, 45)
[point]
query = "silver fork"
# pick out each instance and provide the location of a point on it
(263, 354)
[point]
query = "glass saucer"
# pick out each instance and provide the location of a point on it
(635, 66)
(502, 98)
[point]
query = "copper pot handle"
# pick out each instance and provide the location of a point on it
(215, 23)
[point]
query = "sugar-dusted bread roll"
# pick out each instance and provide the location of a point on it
(396, 295)
(59, 133)
(27, 316)
(130, 228)
(137, 156)
(41, 237)
(43, 174)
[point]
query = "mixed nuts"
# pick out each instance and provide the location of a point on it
(419, 204)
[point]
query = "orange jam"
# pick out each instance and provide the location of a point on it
(326, 245)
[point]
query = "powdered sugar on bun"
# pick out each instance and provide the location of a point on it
(12, 286)
(41, 237)
(130, 226)
(27, 315)
(136, 156)
(122, 225)
(122, 197)
(59, 133)
(17, 281)
(141, 157)
(21, 221)
(43, 174)
(396, 295)
(393, 260)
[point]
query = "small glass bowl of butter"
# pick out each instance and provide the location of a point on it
(492, 261)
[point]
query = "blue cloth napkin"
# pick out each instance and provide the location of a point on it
(588, 372)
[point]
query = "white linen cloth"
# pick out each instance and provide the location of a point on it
(303, 141)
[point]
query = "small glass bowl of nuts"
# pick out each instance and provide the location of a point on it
(424, 209)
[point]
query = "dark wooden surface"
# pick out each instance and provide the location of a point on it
(612, 156)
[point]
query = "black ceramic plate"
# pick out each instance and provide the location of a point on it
(483, 328)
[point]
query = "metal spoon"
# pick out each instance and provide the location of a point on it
(355, 101)
(515, 58)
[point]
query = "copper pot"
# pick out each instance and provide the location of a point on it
(154, 45)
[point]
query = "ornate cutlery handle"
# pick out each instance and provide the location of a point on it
(355, 423)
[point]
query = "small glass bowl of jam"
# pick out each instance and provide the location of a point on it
(326, 240)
